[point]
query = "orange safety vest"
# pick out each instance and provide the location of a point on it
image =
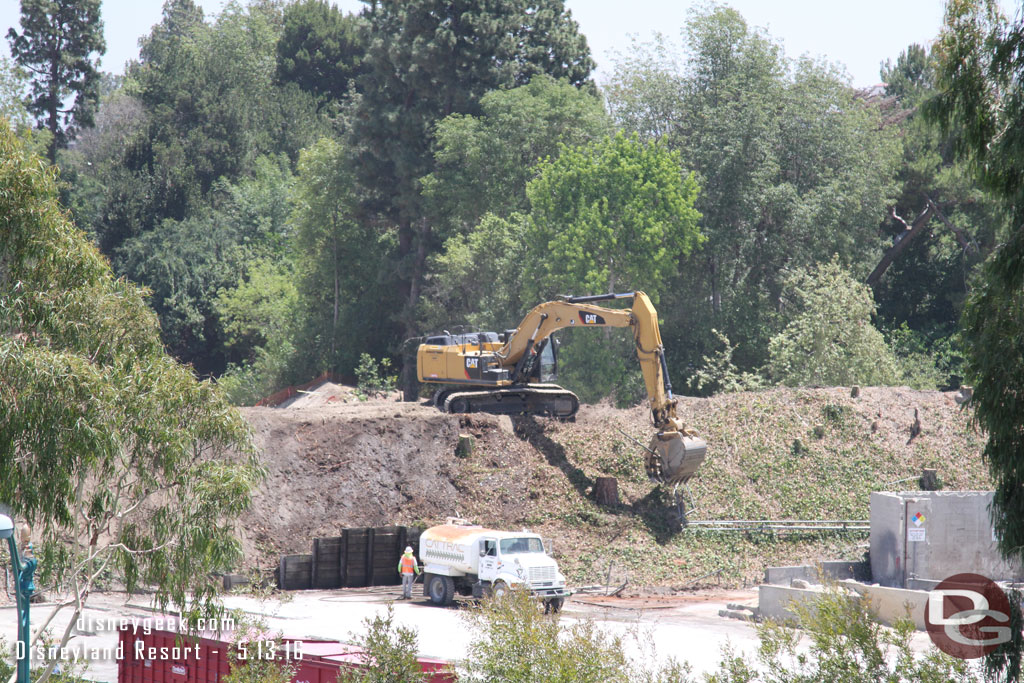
(408, 564)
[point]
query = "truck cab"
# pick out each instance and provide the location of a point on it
(471, 560)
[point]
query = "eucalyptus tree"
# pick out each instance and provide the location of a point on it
(123, 463)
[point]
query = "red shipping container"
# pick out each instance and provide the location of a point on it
(162, 656)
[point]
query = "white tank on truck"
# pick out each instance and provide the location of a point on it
(459, 557)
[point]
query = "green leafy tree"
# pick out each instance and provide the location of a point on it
(344, 308)
(187, 262)
(428, 59)
(718, 373)
(13, 86)
(925, 286)
(482, 163)
(115, 454)
(188, 181)
(981, 105)
(320, 49)
(793, 169)
(609, 216)
(912, 74)
(372, 378)
(482, 166)
(259, 316)
(259, 310)
(514, 641)
(56, 45)
(479, 279)
(390, 650)
(613, 213)
(846, 643)
(246, 666)
(829, 338)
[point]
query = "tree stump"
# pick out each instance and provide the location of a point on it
(465, 447)
(606, 491)
(854, 392)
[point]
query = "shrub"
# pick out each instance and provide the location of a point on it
(372, 378)
(846, 644)
(515, 642)
(391, 652)
(829, 339)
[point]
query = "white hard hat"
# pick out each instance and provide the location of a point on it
(408, 548)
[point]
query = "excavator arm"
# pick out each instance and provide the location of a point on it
(549, 317)
(485, 374)
(675, 452)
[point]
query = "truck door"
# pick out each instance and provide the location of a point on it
(487, 570)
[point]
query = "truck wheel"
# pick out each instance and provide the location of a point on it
(556, 604)
(440, 589)
(499, 589)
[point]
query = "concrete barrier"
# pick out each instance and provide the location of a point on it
(776, 602)
(891, 604)
(835, 570)
(888, 604)
(782, 576)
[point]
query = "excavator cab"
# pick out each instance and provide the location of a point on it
(545, 368)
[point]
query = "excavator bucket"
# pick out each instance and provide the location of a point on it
(673, 457)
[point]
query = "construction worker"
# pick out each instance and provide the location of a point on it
(409, 569)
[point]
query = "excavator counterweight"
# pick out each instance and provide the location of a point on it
(512, 374)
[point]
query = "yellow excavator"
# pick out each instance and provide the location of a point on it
(512, 374)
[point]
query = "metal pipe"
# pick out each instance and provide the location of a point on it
(664, 372)
(635, 441)
(24, 587)
(783, 521)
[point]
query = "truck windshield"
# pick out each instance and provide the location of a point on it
(513, 546)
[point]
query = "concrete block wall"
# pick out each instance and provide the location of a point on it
(888, 604)
(929, 535)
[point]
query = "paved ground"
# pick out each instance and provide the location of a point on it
(686, 627)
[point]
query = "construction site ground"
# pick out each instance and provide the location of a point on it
(684, 627)
(334, 461)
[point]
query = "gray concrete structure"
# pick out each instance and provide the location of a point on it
(919, 536)
(832, 570)
(887, 604)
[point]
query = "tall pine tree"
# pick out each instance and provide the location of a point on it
(427, 59)
(56, 45)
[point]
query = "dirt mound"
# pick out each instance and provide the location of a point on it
(366, 464)
(777, 454)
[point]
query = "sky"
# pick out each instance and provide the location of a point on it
(859, 35)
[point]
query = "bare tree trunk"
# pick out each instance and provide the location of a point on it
(337, 296)
(410, 386)
(716, 296)
(52, 105)
(902, 242)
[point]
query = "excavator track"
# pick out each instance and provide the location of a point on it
(549, 400)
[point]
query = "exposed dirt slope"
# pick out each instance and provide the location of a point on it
(779, 454)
